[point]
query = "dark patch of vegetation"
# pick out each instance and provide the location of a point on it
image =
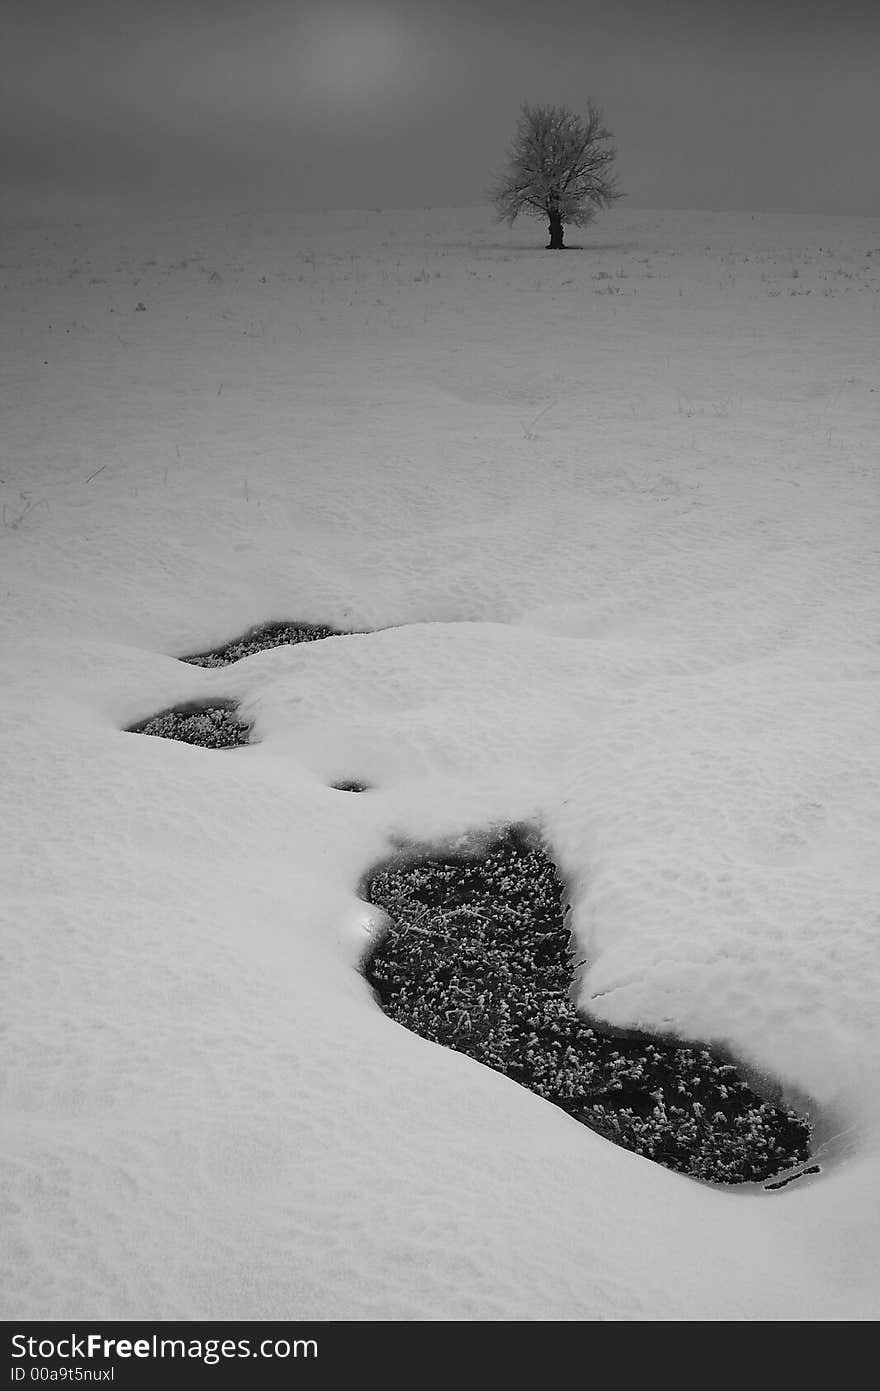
(260, 640)
(350, 786)
(214, 726)
(811, 1169)
(477, 957)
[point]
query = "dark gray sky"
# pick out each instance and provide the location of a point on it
(765, 105)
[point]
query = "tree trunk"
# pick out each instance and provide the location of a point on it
(555, 228)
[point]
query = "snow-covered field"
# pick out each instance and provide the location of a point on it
(613, 516)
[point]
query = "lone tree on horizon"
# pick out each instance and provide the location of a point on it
(559, 166)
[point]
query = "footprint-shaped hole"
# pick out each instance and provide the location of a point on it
(213, 725)
(476, 956)
(261, 639)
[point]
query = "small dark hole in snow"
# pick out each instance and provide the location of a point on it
(261, 639)
(476, 956)
(213, 725)
(350, 786)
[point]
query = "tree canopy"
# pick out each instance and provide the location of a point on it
(559, 166)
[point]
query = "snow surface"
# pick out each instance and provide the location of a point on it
(613, 518)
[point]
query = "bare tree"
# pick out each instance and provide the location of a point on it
(559, 166)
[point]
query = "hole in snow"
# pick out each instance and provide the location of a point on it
(261, 639)
(350, 786)
(213, 725)
(476, 956)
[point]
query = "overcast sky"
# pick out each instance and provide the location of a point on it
(764, 105)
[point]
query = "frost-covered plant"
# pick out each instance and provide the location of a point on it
(477, 957)
(214, 727)
(559, 167)
(260, 640)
